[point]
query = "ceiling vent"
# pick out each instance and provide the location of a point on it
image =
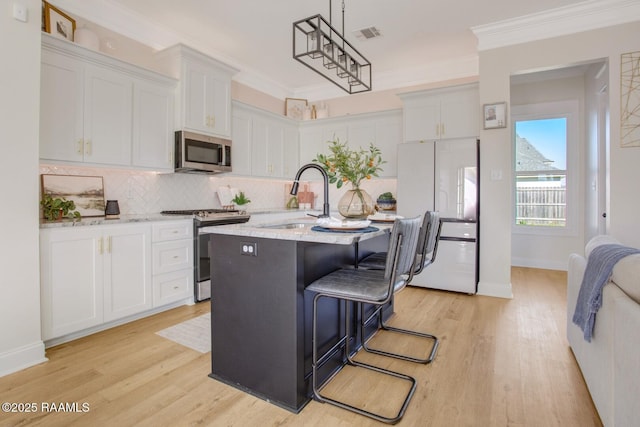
(367, 33)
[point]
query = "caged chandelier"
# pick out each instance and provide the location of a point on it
(319, 46)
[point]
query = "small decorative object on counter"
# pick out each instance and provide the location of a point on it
(56, 208)
(386, 202)
(240, 199)
(112, 210)
(344, 165)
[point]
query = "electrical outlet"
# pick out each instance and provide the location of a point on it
(249, 249)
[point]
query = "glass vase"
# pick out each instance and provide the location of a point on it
(356, 204)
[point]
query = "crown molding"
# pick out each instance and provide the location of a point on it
(585, 16)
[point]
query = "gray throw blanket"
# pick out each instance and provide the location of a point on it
(597, 273)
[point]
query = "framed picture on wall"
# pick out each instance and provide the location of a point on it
(495, 115)
(294, 107)
(58, 23)
(87, 192)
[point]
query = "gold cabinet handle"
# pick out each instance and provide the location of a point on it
(109, 244)
(88, 147)
(442, 129)
(100, 246)
(80, 146)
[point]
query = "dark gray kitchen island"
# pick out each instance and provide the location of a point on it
(260, 312)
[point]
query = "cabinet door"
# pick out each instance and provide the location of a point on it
(388, 136)
(241, 146)
(275, 149)
(259, 147)
(108, 100)
(422, 119)
(61, 108)
(153, 137)
(460, 114)
(128, 287)
(71, 280)
(195, 95)
(207, 99)
(361, 133)
(290, 152)
(219, 98)
(311, 143)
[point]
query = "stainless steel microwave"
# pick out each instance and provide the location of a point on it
(197, 153)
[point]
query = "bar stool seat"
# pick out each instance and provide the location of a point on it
(365, 286)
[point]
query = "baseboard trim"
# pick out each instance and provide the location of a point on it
(539, 263)
(499, 290)
(23, 357)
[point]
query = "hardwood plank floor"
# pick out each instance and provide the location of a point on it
(500, 363)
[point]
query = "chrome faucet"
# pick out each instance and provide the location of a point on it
(325, 178)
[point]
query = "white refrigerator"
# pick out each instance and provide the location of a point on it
(444, 176)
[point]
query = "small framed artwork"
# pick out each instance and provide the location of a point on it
(294, 107)
(495, 115)
(87, 192)
(58, 23)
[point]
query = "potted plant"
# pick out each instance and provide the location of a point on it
(56, 208)
(386, 201)
(240, 199)
(344, 165)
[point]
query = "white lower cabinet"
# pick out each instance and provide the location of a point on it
(172, 253)
(92, 276)
(127, 271)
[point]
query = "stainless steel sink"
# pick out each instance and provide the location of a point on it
(288, 226)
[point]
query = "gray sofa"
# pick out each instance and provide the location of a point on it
(610, 363)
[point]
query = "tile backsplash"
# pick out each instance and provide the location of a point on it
(142, 192)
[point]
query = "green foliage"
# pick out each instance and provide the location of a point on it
(51, 207)
(240, 199)
(345, 165)
(386, 196)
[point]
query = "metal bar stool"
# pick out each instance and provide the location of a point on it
(372, 287)
(427, 244)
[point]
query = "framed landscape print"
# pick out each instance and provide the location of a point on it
(87, 192)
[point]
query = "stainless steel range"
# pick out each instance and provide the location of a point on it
(202, 262)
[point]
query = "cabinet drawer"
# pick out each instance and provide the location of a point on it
(172, 230)
(172, 256)
(171, 287)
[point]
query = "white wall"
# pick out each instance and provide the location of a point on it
(496, 68)
(20, 342)
(551, 250)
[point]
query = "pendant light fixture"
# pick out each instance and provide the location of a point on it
(319, 46)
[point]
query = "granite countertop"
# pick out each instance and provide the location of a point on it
(101, 220)
(302, 231)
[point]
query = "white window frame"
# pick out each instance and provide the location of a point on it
(551, 110)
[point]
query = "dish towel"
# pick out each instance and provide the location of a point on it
(597, 273)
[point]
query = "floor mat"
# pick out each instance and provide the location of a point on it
(194, 333)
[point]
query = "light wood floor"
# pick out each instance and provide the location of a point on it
(501, 363)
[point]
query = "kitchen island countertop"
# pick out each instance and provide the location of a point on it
(305, 233)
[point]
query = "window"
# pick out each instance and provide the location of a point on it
(544, 168)
(541, 172)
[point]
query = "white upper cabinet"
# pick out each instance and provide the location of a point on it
(153, 137)
(264, 144)
(108, 108)
(384, 130)
(445, 113)
(97, 110)
(204, 97)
